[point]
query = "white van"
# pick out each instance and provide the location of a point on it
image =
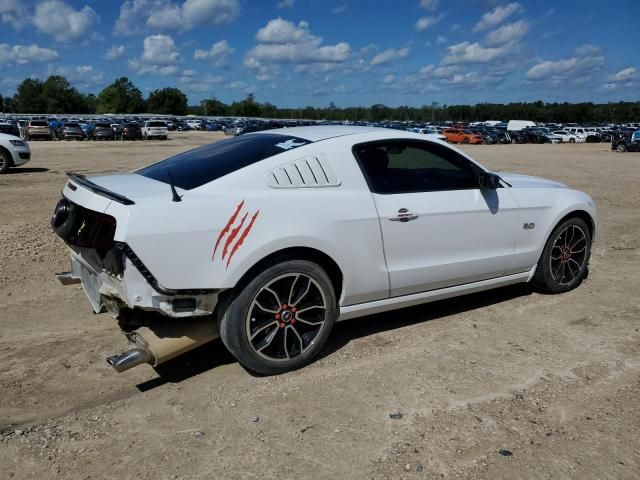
(516, 125)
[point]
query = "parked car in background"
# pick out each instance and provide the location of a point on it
(39, 129)
(13, 152)
(567, 137)
(131, 131)
(71, 131)
(432, 133)
(624, 143)
(10, 129)
(455, 135)
(194, 124)
(103, 131)
(517, 125)
(154, 129)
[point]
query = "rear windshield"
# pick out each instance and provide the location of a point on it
(157, 124)
(72, 125)
(38, 123)
(103, 125)
(203, 165)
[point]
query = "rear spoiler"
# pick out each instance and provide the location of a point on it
(95, 188)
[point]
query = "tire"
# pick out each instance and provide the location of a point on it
(621, 148)
(5, 162)
(572, 140)
(465, 140)
(283, 340)
(560, 270)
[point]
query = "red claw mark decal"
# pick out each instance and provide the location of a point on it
(226, 228)
(234, 229)
(242, 237)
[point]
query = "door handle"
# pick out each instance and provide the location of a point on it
(403, 215)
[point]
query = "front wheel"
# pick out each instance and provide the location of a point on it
(281, 319)
(621, 148)
(564, 261)
(465, 141)
(5, 162)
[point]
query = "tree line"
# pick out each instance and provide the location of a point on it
(56, 95)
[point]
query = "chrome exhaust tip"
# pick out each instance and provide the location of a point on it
(129, 359)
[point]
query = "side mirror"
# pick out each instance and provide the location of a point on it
(488, 180)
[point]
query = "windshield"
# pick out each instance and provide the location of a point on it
(207, 163)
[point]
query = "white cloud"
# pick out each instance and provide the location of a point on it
(191, 83)
(279, 30)
(219, 53)
(586, 60)
(338, 9)
(15, 13)
(511, 32)
(466, 52)
(160, 55)
(83, 77)
(283, 42)
(495, 17)
(439, 72)
(429, 4)
(424, 23)
(463, 79)
(389, 79)
(286, 4)
(116, 51)
(441, 40)
(389, 55)
(624, 75)
(293, 53)
(22, 54)
(166, 15)
(56, 18)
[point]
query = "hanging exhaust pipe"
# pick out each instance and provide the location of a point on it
(129, 359)
(155, 344)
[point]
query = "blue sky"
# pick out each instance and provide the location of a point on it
(351, 52)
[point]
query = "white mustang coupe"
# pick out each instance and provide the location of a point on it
(267, 239)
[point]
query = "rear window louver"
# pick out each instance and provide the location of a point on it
(307, 172)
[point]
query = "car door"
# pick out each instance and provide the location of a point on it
(438, 228)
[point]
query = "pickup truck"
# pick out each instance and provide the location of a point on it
(154, 129)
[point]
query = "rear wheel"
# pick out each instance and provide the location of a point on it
(621, 148)
(282, 318)
(564, 261)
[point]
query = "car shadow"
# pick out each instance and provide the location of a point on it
(215, 354)
(18, 170)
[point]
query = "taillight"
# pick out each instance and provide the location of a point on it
(83, 228)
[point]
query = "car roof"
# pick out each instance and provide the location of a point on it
(316, 133)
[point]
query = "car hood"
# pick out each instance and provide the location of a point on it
(132, 185)
(525, 181)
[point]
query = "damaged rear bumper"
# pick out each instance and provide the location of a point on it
(119, 280)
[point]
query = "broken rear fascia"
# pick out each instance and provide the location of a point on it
(118, 279)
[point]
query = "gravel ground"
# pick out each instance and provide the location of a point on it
(500, 385)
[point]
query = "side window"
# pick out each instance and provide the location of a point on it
(404, 167)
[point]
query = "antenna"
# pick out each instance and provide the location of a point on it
(174, 192)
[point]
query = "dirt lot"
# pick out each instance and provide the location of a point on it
(430, 392)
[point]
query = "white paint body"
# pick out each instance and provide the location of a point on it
(462, 241)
